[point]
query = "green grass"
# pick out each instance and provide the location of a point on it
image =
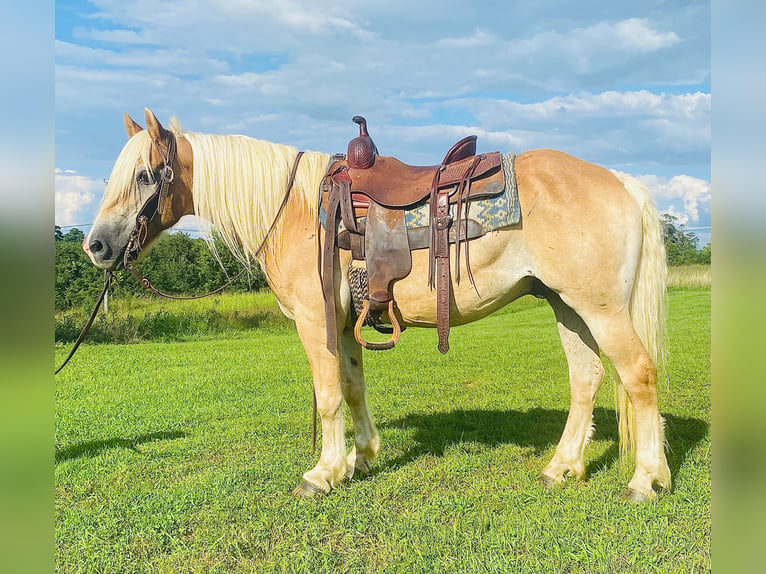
(180, 457)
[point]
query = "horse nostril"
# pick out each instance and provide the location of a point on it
(96, 246)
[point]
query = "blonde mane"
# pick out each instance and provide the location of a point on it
(239, 184)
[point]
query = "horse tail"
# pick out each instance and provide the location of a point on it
(647, 301)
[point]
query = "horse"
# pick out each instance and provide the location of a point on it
(589, 242)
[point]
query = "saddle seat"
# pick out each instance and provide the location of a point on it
(396, 185)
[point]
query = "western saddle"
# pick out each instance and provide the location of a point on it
(370, 194)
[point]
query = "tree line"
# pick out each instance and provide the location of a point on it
(681, 245)
(179, 263)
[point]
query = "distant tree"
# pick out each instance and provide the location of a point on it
(680, 245)
(74, 235)
(172, 264)
(704, 255)
(57, 234)
(218, 271)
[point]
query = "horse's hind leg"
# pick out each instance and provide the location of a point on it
(366, 441)
(638, 375)
(585, 375)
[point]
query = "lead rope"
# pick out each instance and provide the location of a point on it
(146, 284)
(107, 281)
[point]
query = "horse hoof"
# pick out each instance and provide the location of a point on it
(634, 497)
(307, 490)
(547, 481)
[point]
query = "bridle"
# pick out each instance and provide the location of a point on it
(155, 206)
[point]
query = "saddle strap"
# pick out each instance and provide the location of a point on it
(328, 261)
(344, 196)
(463, 193)
(443, 280)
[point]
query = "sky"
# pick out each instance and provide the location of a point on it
(620, 84)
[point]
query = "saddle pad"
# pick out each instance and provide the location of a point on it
(494, 213)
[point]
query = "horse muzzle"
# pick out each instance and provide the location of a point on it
(106, 249)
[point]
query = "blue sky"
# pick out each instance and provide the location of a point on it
(624, 85)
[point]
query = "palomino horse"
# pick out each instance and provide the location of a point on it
(589, 242)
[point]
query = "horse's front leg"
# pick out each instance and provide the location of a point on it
(326, 370)
(366, 441)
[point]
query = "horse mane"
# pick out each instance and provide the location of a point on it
(239, 183)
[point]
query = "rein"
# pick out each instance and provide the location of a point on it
(156, 205)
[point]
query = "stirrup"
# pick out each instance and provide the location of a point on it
(369, 344)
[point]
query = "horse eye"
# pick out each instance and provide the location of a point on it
(143, 177)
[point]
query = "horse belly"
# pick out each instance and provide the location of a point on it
(499, 273)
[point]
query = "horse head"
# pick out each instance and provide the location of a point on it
(148, 191)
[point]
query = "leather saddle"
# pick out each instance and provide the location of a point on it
(370, 194)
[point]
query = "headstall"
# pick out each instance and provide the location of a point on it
(155, 205)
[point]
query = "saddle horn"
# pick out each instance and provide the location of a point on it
(361, 150)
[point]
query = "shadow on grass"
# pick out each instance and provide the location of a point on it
(94, 447)
(537, 428)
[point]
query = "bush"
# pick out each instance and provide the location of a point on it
(77, 280)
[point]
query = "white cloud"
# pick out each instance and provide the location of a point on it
(614, 128)
(479, 38)
(637, 33)
(75, 197)
(377, 52)
(118, 36)
(630, 35)
(693, 194)
(611, 103)
(179, 60)
(681, 218)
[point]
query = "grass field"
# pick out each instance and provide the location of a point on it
(180, 456)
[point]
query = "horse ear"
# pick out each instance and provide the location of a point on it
(131, 126)
(154, 126)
